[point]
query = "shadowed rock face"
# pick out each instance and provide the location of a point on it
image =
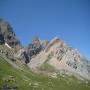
(9, 44)
(32, 50)
(7, 35)
(2, 41)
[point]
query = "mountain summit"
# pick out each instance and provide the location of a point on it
(8, 36)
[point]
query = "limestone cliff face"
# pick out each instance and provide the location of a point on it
(63, 58)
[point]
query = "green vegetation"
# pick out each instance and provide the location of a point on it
(47, 68)
(27, 80)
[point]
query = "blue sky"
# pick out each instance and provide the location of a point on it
(67, 19)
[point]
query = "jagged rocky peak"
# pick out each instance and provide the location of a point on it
(62, 57)
(59, 48)
(7, 35)
(68, 58)
(32, 50)
(56, 44)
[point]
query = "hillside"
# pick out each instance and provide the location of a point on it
(42, 65)
(27, 80)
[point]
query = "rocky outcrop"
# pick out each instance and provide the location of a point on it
(7, 35)
(53, 42)
(9, 44)
(63, 58)
(32, 50)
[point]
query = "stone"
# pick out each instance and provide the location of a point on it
(7, 35)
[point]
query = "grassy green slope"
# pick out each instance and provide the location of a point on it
(27, 80)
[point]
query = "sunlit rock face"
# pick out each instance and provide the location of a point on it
(63, 58)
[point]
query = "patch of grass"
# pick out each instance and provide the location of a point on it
(47, 67)
(27, 80)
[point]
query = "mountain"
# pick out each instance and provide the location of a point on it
(62, 58)
(48, 59)
(9, 43)
(7, 35)
(32, 50)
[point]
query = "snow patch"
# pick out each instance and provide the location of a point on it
(7, 45)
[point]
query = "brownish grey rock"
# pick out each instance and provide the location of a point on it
(7, 35)
(63, 58)
(9, 44)
(32, 50)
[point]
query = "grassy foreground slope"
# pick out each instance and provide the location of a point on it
(27, 80)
